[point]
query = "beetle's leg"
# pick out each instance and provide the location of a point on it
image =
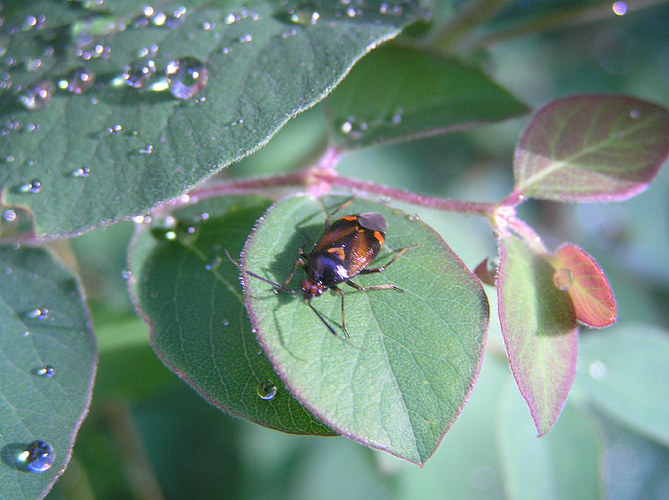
(373, 287)
(292, 271)
(340, 207)
(343, 321)
(383, 268)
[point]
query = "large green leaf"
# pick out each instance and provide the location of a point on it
(47, 361)
(626, 375)
(539, 327)
(114, 151)
(591, 147)
(189, 293)
(398, 93)
(403, 376)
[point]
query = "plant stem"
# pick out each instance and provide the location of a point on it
(466, 207)
(556, 20)
(472, 14)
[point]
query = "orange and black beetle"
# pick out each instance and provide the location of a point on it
(344, 250)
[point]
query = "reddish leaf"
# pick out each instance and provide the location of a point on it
(587, 286)
(591, 147)
(539, 329)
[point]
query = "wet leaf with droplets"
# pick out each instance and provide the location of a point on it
(400, 380)
(47, 362)
(144, 136)
(190, 294)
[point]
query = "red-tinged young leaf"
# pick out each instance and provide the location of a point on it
(587, 286)
(539, 328)
(591, 148)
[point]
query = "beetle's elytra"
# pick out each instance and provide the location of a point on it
(344, 250)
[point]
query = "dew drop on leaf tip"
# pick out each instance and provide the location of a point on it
(38, 457)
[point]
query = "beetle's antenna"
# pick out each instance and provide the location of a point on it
(345, 340)
(257, 276)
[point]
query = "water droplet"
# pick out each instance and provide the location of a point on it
(114, 129)
(25, 333)
(38, 96)
(148, 149)
(79, 81)
(563, 279)
(34, 186)
(40, 313)
(81, 172)
(126, 274)
(634, 114)
(597, 370)
(9, 215)
(214, 263)
(396, 118)
(619, 8)
(305, 14)
(46, 371)
(186, 77)
(266, 390)
(139, 72)
(37, 457)
(353, 128)
(246, 38)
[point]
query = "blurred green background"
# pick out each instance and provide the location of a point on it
(148, 435)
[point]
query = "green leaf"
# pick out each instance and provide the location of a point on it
(624, 371)
(47, 360)
(398, 93)
(563, 464)
(403, 376)
(189, 293)
(466, 460)
(539, 328)
(591, 148)
(115, 151)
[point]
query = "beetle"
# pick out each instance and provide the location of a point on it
(344, 250)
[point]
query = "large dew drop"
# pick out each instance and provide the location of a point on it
(266, 390)
(186, 77)
(37, 457)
